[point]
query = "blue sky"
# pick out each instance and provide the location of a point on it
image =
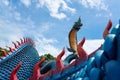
(48, 22)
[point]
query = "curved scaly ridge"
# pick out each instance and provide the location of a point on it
(14, 51)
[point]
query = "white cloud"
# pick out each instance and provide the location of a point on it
(45, 45)
(108, 15)
(27, 3)
(9, 12)
(45, 27)
(9, 32)
(17, 16)
(6, 2)
(98, 4)
(91, 45)
(98, 15)
(70, 1)
(2, 44)
(57, 8)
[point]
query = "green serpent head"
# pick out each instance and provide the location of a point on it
(77, 25)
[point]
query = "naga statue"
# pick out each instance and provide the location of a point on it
(73, 36)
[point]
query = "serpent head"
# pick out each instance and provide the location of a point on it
(77, 25)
